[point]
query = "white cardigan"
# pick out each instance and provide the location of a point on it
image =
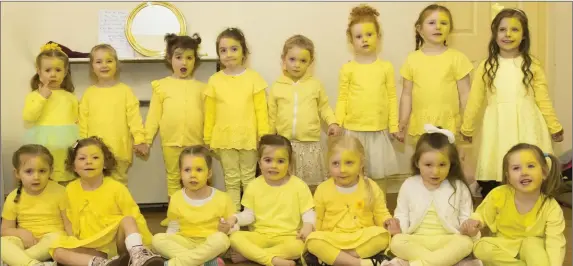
(414, 200)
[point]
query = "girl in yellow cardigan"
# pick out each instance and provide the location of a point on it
(235, 113)
(351, 213)
(32, 215)
(51, 109)
(297, 103)
(109, 109)
(526, 221)
(102, 219)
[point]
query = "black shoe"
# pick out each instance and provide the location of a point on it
(311, 260)
(379, 258)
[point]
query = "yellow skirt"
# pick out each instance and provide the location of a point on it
(352, 240)
(103, 241)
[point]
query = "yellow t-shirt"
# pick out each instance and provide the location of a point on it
(199, 221)
(367, 97)
(177, 110)
(40, 214)
(435, 98)
(236, 113)
(61, 108)
(278, 209)
(431, 224)
(113, 115)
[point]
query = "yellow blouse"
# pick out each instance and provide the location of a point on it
(61, 108)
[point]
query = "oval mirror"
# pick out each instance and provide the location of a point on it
(147, 25)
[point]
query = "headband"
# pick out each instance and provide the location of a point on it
(429, 128)
(51, 46)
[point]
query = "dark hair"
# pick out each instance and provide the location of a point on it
(237, 35)
(275, 141)
(492, 63)
(197, 150)
(423, 15)
(109, 162)
(175, 42)
(360, 14)
(30, 149)
(67, 83)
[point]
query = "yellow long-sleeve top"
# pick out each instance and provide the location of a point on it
(540, 95)
(176, 108)
(236, 114)
(499, 213)
(61, 108)
(367, 97)
(113, 115)
(295, 108)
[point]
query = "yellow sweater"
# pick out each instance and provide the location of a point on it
(295, 108)
(177, 110)
(61, 108)
(113, 115)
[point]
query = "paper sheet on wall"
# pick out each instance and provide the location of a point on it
(112, 31)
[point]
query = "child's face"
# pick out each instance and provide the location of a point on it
(230, 52)
(52, 70)
(183, 62)
(434, 167)
(89, 162)
(364, 38)
(104, 65)
(345, 167)
(525, 172)
(296, 62)
(194, 172)
(509, 35)
(274, 162)
(436, 27)
(34, 173)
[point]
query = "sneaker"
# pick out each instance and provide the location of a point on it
(115, 261)
(380, 260)
(141, 256)
(311, 260)
(47, 263)
(215, 262)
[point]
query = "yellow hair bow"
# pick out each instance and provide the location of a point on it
(51, 46)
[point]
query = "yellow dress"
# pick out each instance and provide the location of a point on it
(513, 115)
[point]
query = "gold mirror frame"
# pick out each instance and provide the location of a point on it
(131, 39)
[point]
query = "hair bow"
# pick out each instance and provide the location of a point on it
(429, 128)
(51, 46)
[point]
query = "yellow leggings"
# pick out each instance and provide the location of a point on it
(532, 252)
(120, 173)
(171, 160)
(13, 251)
(262, 249)
(240, 167)
(328, 253)
(183, 251)
(424, 250)
(59, 173)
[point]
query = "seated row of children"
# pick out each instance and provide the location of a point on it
(95, 221)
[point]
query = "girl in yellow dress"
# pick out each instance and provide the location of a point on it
(526, 221)
(110, 110)
(32, 215)
(367, 107)
(351, 213)
(51, 109)
(518, 105)
(195, 235)
(432, 205)
(436, 77)
(235, 113)
(102, 219)
(297, 103)
(278, 208)
(176, 106)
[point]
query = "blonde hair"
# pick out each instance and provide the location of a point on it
(361, 14)
(52, 50)
(300, 41)
(423, 15)
(349, 143)
(113, 53)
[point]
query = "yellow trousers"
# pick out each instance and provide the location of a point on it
(14, 254)
(240, 167)
(171, 160)
(183, 251)
(328, 253)
(431, 250)
(491, 251)
(262, 249)
(120, 173)
(59, 173)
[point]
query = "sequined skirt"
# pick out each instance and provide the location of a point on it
(309, 163)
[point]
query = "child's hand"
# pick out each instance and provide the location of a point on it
(557, 137)
(27, 238)
(305, 231)
(470, 227)
(224, 226)
(141, 149)
(401, 134)
(43, 89)
(466, 138)
(334, 130)
(393, 226)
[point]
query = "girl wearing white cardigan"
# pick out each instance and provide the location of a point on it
(432, 205)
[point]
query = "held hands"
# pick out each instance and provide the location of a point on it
(27, 238)
(334, 130)
(225, 225)
(393, 226)
(557, 137)
(44, 90)
(305, 231)
(401, 134)
(470, 227)
(141, 149)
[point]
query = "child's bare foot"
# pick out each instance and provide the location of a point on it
(236, 257)
(282, 262)
(399, 262)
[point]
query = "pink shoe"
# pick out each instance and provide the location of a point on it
(215, 262)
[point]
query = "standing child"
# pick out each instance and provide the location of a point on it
(194, 234)
(436, 78)
(235, 113)
(279, 207)
(297, 102)
(519, 108)
(110, 110)
(102, 219)
(433, 204)
(351, 213)
(32, 216)
(526, 221)
(51, 109)
(367, 105)
(177, 106)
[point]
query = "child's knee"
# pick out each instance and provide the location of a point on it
(238, 237)
(464, 242)
(398, 241)
(530, 244)
(314, 245)
(159, 239)
(222, 240)
(484, 250)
